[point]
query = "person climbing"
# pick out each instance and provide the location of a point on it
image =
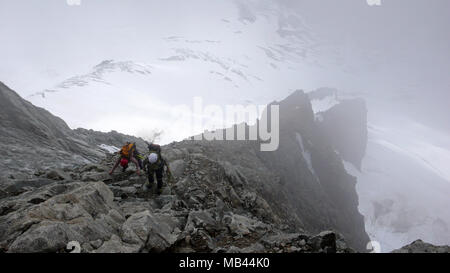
(140, 158)
(154, 164)
(128, 153)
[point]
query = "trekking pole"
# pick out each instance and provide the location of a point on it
(171, 178)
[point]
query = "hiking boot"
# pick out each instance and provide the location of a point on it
(147, 186)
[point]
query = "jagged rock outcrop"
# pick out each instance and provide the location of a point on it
(304, 169)
(421, 247)
(345, 126)
(309, 170)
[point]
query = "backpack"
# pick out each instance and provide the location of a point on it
(127, 150)
(154, 166)
(154, 148)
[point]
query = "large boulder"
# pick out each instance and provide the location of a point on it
(154, 233)
(47, 219)
(45, 236)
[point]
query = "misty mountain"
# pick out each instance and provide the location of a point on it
(302, 188)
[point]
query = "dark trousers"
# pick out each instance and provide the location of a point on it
(159, 177)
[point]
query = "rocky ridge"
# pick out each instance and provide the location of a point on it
(224, 196)
(32, 138)
(199, 211)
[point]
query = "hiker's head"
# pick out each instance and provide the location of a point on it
(152, 158)
(124, 162)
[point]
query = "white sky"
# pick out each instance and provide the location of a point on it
(401, 48)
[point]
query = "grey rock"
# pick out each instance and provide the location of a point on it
(58, 175)
(174, 154)
(232, 173)
(201, 220)
(123, 192)
(240, 225)
(254, 248)
(115, 245)
(77, 211)
(177, 167)
(420, 246)
(95, 177)
(46, 237)
(94, 168)
(277, 239)
(154, 233)
(86, 248)
(3, 194)
(234, 198)
(325, 241)
(201, 241)
(96, 244)
(234, 249)
(129, 208)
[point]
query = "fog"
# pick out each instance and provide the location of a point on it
(396, 56)
(397, 52)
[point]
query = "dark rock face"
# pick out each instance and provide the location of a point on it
(421, 247)
(303, 170)
(309, 170)
(345, 127)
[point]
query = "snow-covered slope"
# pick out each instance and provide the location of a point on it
(404, 183)
(248, 52)
(404, 188)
